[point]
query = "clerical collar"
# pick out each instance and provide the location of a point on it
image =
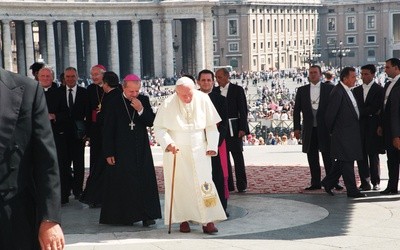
(111, 89)
(125, 96)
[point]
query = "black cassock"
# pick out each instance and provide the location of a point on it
(130, 191)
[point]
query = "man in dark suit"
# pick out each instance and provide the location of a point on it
(369, 100)
(57, 113)
(311, 101)
(389, 124)
(342, 120)
(237, 114)
(75, 99)
(219, 164)
(30, 185)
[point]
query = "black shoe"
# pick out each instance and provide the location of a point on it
(338, 187)
(312, 187)
(242, 191)
(147, 223)
(328, 191)
(356, 195)
(388, 191)
(365, 187)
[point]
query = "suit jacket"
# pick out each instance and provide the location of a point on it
(54, 105)
(303, 105)
(343, 124)
(385, 119)
(395, 113)
(28, 158)
(81, 111)
(369, 117)
(220, 105)
(237, 108)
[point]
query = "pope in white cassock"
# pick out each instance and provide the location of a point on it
(185, 125)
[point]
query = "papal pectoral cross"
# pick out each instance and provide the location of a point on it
(131, 124)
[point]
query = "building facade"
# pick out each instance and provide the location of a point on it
(164, 38)
(358, 32)
(149, 38)
(265, 35)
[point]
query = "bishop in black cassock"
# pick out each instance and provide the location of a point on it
(130, 192)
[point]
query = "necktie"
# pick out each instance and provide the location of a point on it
(70, 100)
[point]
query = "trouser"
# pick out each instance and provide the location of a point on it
(313, 160)
(345, 169)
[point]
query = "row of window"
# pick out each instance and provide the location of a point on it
(233, 29)
(351, 23)
(234, 46)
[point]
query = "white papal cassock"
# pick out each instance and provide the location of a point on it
(192, 127)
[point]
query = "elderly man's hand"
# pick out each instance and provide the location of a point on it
(51, 236)
(172, 148)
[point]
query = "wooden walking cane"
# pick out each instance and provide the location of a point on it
(172, 193)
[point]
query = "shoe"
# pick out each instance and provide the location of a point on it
(376, 187)
(356, 195)
(328, 191)
(210, 228)
(388, 191)
(242, 191)
(365, 187)
(338, 187)
(227, 214)
(184, 227)
(312, 187)
(147, 223)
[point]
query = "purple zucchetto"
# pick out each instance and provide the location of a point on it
(132, 77)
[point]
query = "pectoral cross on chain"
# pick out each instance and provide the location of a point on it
(131, 124)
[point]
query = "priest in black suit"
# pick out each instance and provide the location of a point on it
(342, 120)
(94, 189)
(369, 97)
(311, 101)
(30, 210)
(220, 175)
(131, 192)
(237, 113)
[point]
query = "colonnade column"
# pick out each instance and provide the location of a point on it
(114, 47)
(199, 45)
(157, 47)
(169, 57)
(93, 43)
(29, 55)
(208, 42)
(136, 60)
(51, 55)
(7, 49)
(72, 44)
